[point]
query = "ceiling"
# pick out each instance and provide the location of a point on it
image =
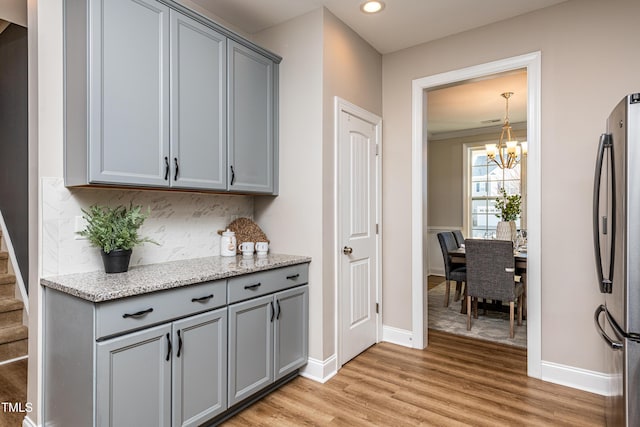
(477, 104)
(420, 21)
(466, 106)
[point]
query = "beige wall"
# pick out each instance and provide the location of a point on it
(588, 64)
(14, 11)
(322, 58)
(294, 218)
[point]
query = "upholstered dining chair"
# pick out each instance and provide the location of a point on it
(453, 271)
(459, 237)
(491, 275)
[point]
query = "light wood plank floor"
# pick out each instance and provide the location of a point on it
(13, 389)
(456, 381)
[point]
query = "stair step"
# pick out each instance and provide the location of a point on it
(13, 334)
(4, 260)
(10, 312)
(7, 285)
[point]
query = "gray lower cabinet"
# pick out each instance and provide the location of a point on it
(199, 368)
(252, 121)
(157, 359)
(268, 339)
(178, 368)
(133, 379)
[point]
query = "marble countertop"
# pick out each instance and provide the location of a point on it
(98, 286)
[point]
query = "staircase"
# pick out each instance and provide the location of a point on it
(13, 333)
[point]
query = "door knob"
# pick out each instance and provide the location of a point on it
(347, 250)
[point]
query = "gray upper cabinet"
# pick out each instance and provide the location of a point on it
(128, 91)
(158, 96)
(198, 105)
(252, 121)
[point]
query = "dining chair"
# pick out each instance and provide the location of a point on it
(453, 271)
(491, 275)
(459, 237)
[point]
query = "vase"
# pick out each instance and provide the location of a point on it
(116, 261)
(505, 230)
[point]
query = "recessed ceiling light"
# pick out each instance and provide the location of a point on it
(372, 6)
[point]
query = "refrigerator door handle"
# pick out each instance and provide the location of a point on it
(604, 282)
(616, 345)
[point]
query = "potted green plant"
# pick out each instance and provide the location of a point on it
(509, 210)
(115, 232)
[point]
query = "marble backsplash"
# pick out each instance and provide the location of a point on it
(184, 224)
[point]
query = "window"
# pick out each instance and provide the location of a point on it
(484, 185)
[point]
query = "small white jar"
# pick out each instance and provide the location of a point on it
(228, 243)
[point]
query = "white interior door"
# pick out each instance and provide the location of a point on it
(358, 192)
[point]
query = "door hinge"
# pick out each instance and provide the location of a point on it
(377, 229)
(377, 149)
(377, 308)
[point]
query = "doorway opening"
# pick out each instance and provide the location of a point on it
(530, 62)
(463, 185)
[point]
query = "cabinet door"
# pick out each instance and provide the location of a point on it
(198, 105)
(199, 368)
(129, 92)
(250, 347)
(133, 379)
(291, 333)
(251, 120)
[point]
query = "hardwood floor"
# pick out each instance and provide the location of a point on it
(456, 381)
(13, 389)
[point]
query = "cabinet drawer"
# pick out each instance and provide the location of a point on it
(266, 282)
(118, 316)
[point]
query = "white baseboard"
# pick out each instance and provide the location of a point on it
(320, 371)
(397, 336)
(581, 379)
(436, 272)
(26, 422)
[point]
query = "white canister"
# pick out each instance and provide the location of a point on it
(228, 243)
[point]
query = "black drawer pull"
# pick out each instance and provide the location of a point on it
(138, 314)
(278, 315)
(293, 277)
(253, 287)
(273, 311)
(202, 299)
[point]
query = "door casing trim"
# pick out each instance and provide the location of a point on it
(532, 62)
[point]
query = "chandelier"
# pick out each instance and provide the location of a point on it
(508, 151)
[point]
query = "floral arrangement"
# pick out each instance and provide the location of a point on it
(509, 206)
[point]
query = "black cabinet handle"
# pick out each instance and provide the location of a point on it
(273, 312)
(138, 314)
(202, 299)
(278, 315)
(293, 277)
(253, 287)
(179, 344)
(166, 168)
(169, 347)
(233, 175)
(175, 176)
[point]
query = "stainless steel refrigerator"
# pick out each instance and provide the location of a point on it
(616, 235)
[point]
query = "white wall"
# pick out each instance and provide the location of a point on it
(587, 66)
